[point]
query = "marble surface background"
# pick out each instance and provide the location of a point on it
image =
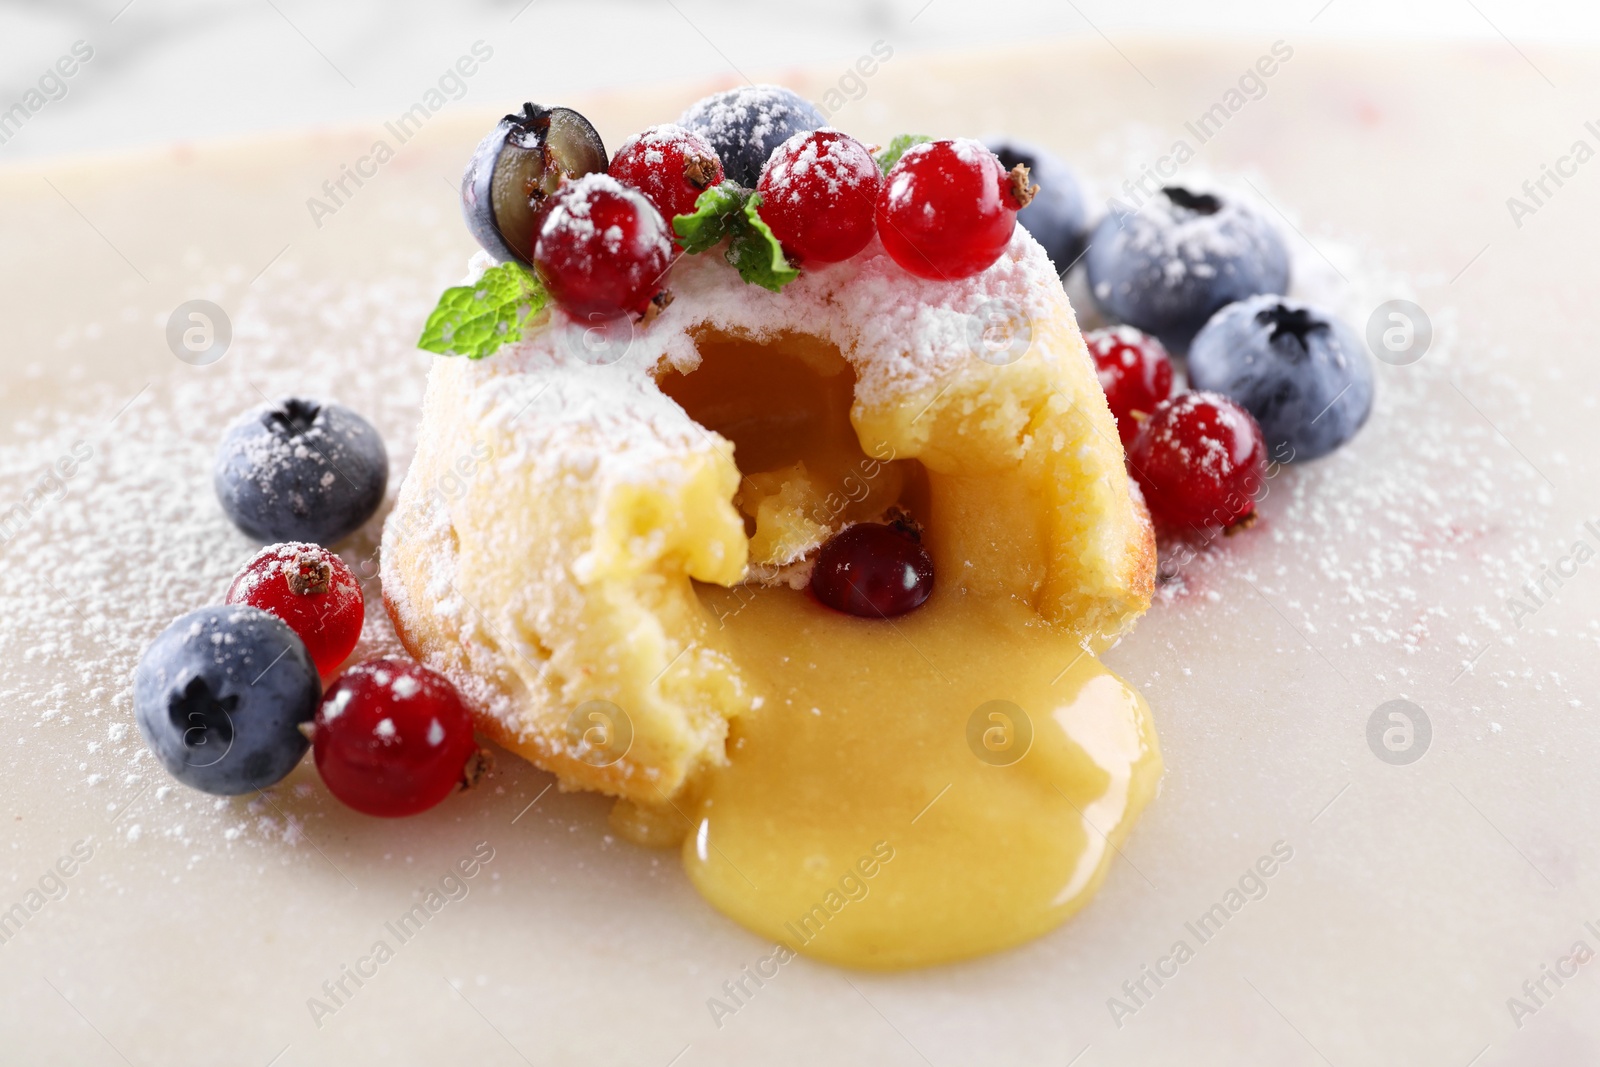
(172, 70)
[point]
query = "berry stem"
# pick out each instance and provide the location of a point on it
(308, 575)
(700, 170)
(1021, 187)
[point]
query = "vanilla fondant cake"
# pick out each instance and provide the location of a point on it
(804, 551)
(567, 570)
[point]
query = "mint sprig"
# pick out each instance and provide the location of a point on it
(728, 211)
(475, 320)
(715, 214)
(756, 253)
(887, 157)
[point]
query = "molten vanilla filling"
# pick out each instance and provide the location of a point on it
(908, 791)
(874, 811)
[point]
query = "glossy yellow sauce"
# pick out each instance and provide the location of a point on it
(884, 807)
(910, 791)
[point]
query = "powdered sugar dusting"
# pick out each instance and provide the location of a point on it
(657, 141)
(756, 110)
(827, 166)
(137, 538)
(903, 334)
(1368, 548)
(572, 215)
(286, 557)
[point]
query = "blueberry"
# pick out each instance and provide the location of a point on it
(300, 470)
(745, 124)
(1303, 374)
(220, 695)
(1168, 268)
(515, 170)
(1057, 217)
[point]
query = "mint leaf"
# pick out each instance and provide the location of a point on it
(715, 214)
(888, 157)
(755, 252)
(475, 320)
(729, 211)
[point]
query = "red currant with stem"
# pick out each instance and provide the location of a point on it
(873, 571)
(392, 738)
(819, 192)
(312, 590)
(1134, 371)
(602, 249)
(1200, 459)
(947, 209)
(670, 165)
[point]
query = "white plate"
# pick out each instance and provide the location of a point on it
(1419, 898)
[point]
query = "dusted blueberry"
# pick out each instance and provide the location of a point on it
(517, 167)
(1171, 266)
(1057, 216)
(1303, 374)
(745, 124)
(300, 470)
(220, 695)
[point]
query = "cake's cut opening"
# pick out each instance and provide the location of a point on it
(804, 473)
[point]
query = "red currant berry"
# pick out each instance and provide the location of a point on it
(818, 194)
(1134, 371)
(602, 248)
(670, 165)
(873, 571)
(947, 209)
(1200, 460)
(392, 738)
(312, 590)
